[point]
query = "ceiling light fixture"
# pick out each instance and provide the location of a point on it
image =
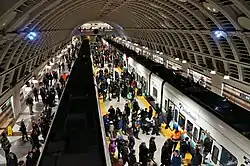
(161, 53)
(184, 61)
(177, 59)
(219, 34)
(226, 77)
(211, 7)
(212, 72)
(157, 52)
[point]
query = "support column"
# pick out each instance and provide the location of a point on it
(185, 67)
(216, 83)
(16, 100)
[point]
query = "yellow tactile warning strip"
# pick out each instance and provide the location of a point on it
(102, 107)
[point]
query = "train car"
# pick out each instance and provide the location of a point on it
(228, 146)
(230, 137)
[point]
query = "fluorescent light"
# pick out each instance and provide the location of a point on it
(212, 72)
(48, 67)
(177, 59)
(34, 81)
(27, 89)
(184, 61)
(219, 34)
(226, 77)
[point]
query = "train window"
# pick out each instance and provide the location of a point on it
(202, 135)
(170, 104)
(195, 135)
(189, 128)
(176, 112)
(154, 92)
(227, 158)
(215, 154)
(181, 121)
(166, 105)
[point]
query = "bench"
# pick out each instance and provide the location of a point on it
(6, 123)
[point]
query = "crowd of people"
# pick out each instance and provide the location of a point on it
(122, 126)
(52, 85)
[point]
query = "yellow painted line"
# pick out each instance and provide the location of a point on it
(119, 70)
(102, 107)
(95, 70)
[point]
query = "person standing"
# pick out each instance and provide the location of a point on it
(166, 154)
(35, 92)
(176, 159)
(29, 102)
(23, 130)
(5, 143)
(131, 158)
(152, 147)
(131, 142)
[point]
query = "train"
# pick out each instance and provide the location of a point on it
(229, 146)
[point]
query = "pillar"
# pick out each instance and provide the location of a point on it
(16, 100)
(216, 83)
(185, 67)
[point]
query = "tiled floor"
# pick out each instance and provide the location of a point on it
(20, 147)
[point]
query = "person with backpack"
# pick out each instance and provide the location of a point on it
(131, 158)
(112, 148)
(176, 159)
(131, 142)
(185, 147)
(125, 152)
(119, 144)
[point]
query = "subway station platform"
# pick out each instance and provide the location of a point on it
(159, 140)
(143, 137)
(19, 147)
(143, 103)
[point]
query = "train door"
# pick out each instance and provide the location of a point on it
(144, 85)
(192, 130)
(174, 110)
(214, 158)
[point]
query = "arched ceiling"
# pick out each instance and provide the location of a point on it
(175, 27)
